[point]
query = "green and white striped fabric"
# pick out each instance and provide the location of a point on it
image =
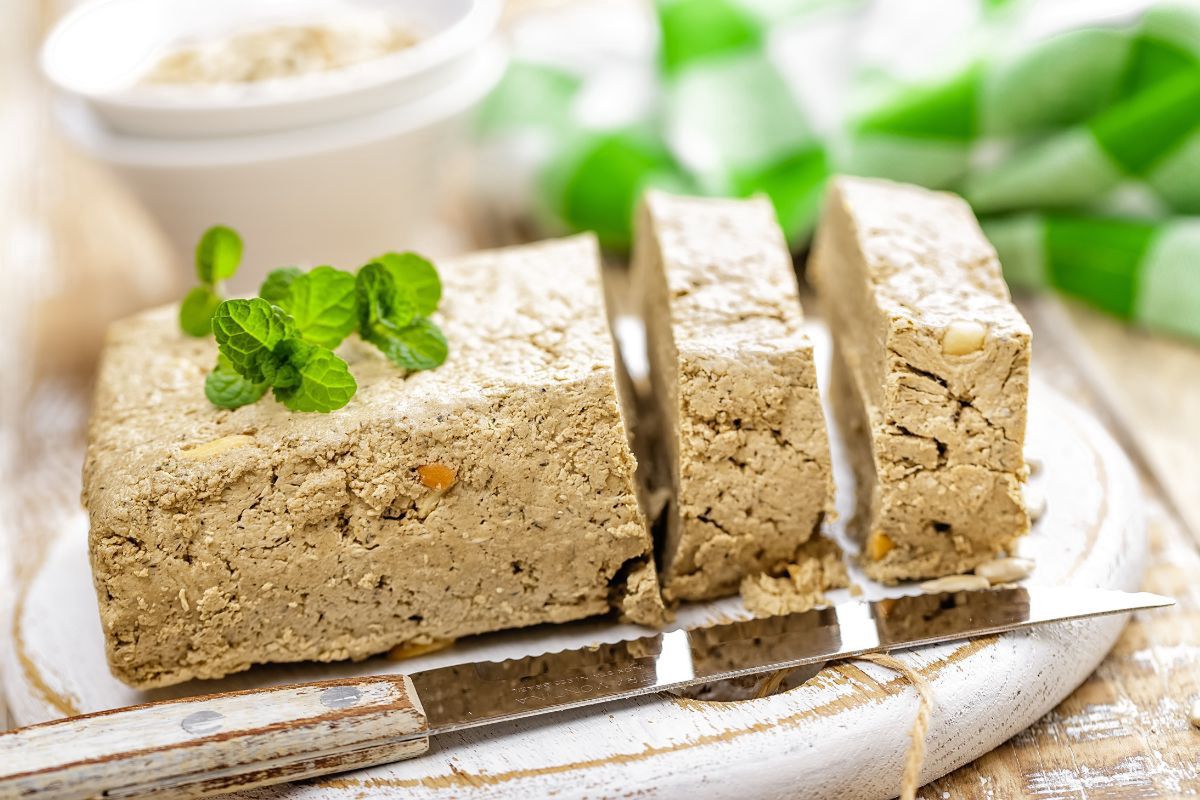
(720, 119)
(1138, 269)
(731, 116)
(1088, 119)
(1078, 143)
(570, 171)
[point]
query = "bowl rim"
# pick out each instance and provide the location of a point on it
(460, 38)
(85, 128)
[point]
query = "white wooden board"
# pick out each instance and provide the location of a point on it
(842, 734)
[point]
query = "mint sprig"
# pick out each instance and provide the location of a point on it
(218, 254)
(418, 276)
(275, 288)
(394, 293)
(418, 346)
(317, 379)
(197, 309)
(322, 303)
(225, 388)
(217, 257)
(261, 344)
(247, 332)
(284, 339)
(381, 301)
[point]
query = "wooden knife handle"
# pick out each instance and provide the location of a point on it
(216, 743)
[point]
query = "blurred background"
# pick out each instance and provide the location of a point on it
(326, 131)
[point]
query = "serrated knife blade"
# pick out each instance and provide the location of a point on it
(466, 695)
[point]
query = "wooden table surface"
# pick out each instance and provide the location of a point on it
(76, 251)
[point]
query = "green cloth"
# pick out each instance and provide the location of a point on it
(1080, 150)
(1138, 269)
(731, 116)
(1077, 117)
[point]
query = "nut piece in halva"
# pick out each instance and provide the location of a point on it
(962, 338)
(1005, 570)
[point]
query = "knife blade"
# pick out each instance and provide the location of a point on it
(463, 696)
(211, 744)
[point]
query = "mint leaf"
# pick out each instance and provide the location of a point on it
(275, 288)
(419, 278)
(260, 346)
(323, 304)
(225, 388)
(218, 254)
(319, 380)
(196, 311)
(247, 332)
(284, 339)
(381, 300)
(391, 293)
(421, 345)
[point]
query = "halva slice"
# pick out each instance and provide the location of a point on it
(733, 377)
(930, 377)
(494, 492)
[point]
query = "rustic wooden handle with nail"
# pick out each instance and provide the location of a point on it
(216, 743)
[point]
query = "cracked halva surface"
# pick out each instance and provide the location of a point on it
(930, 377)
(734, 379)
(496, 491)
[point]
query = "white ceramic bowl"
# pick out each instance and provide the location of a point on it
(99, 52)
(337, 193)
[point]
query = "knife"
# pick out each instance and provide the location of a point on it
(212, 744)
